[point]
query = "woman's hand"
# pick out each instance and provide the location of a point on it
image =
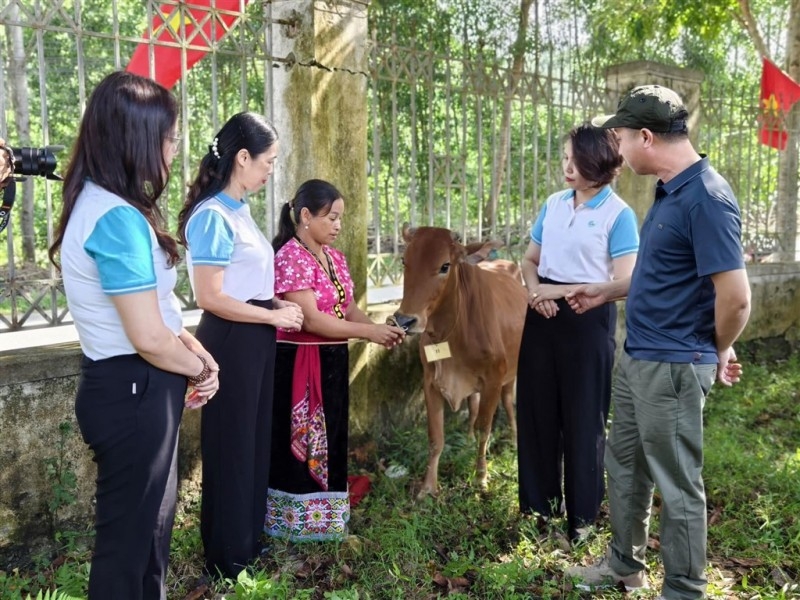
(288, 317)
(278, 303)
(543, 299)
(204, 391)
(387, 336)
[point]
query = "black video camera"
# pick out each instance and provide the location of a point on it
(39, 162)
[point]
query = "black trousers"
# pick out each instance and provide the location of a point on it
(563, 399)
(235, 441)
(129, 413)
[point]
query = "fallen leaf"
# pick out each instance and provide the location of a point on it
(362, 453)
(779, 577)
(746, 562)
(197, 593)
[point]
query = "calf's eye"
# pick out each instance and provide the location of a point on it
(444, 269)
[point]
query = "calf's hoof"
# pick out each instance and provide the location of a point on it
(427, 491)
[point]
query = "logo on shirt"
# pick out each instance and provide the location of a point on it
(592, 223)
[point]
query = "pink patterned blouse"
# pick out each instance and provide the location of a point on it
(296, 269)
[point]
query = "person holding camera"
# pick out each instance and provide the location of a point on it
(118, 268)
(6, 166)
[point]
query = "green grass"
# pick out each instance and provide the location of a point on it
(467, 544)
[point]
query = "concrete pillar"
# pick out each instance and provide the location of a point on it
(321, 113)
(638, 190)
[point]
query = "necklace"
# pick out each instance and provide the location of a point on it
(331, 273)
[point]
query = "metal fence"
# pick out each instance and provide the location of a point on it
(59, 50)
(435, 136)
(436, 146)
(435, 133)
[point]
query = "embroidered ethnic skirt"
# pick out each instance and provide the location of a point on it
(297, 508)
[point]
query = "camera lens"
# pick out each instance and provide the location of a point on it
(39, 162)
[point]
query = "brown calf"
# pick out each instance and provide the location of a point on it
(473, 314)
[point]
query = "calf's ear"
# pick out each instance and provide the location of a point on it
(477, 252)
(408, 232)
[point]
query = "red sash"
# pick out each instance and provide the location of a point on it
(309, 438)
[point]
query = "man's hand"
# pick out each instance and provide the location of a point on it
(586, 297)
(729, 370)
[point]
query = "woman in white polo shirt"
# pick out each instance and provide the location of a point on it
(231, 268)
(118, 266)
(584, 234)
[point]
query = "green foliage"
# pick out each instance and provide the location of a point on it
(54, 595)
(257, 585)
(13, 584)
(60, 474)
(753, 465)
(468, 544)
(72, 579)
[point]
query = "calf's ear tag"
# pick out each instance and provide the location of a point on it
(434, 352)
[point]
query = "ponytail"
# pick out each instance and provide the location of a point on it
(286, 227)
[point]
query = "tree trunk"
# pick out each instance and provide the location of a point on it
(18, 82)
(786, 213)
(501, 153)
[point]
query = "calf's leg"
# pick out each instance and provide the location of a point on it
(434, 404)
(490, 398)
(473, 402)
(511, 413)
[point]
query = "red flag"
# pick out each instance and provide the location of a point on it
(194, 24)
(779, 92)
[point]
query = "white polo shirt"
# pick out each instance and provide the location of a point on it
(110, 249)
(221, 232)
(579, 244)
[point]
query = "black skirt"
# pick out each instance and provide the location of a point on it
(297, 508)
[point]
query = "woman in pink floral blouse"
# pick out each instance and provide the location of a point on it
(308, 497)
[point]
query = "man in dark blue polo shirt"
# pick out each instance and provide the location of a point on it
(688, 299)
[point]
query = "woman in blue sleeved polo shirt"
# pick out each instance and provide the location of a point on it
(231, 268)
(584, 234)
(118, 267)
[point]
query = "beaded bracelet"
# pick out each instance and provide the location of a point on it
(202, 375)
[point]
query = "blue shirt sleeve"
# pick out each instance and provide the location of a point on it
(624, 235)
(538, 226)
(121, 246)
(718, 222)
(210, 239)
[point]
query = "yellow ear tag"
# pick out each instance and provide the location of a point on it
(434, 352)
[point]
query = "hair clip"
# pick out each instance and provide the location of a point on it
(213, 148)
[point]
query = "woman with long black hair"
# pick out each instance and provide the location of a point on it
(231, 269)
(118, 267)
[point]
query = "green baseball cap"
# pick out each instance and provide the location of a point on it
(652, 107)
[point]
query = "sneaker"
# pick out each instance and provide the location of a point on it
(600, 575)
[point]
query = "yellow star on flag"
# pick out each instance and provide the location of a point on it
(771, 104)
